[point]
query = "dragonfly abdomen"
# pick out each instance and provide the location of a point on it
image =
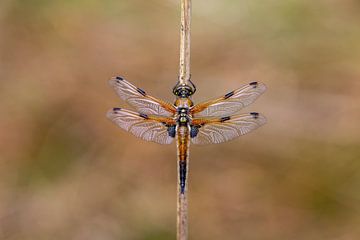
(183, 144)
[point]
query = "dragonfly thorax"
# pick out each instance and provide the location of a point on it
(183, 115)
(183, 103)
(183, 119)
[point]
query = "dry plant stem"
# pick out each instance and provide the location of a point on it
(185, 41)
(182, 203)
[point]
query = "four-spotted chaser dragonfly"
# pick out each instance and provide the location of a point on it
(204, 123)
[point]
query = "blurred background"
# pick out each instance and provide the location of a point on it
(67, 172)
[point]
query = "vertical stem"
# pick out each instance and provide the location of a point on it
(185, 42)
(184, 77)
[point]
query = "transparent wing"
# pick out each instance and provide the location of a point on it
(207, 131)
(230, 103)
(150, 128)
(140, 100)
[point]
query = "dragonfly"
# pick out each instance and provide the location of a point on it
(210, 122)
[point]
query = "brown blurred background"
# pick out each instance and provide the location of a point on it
(66, 172)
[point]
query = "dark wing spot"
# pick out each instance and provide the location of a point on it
(172, 130)
(142, 92)
(254, 114)
(116, 109)
(144, 115)
(229, 95)
(194, 131)
(254, 84)
(223, 119)
(119, 78)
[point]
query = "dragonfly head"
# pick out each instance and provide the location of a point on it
(183, 90)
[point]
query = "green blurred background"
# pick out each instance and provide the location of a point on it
(66, 172)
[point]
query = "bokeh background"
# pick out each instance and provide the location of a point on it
(66, 172)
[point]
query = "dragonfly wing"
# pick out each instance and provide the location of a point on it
(150, 128)
(208, 131)
(140, 100)
(231, 102)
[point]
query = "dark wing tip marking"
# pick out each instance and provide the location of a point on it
(119, 78)
(254, 114)
(223, 119)
(229, 95)
(116, 109)
(142, 92)
(254, 84)
(144, 116)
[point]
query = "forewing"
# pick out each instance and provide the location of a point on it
(140, 100)
(149, 128)
(230, 103)
(224, 129)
